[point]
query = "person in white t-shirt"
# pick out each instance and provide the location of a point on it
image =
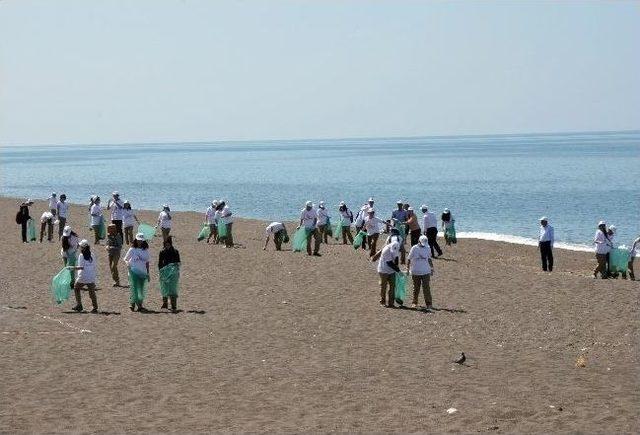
(164, 222)
(95, 212)
(373, 226)
(211, 219)
(137, 260)
(603, 246)
(87, 267)
(420, 267)
(346, 217)
(387, 269)
(323, 222)
(53, 203)
(279, 233)
(225, 217)
(63, 213)
(116, 206)
(46, 223)
(635, 248)
(129, 219)
(430, 229)
(361, 217)
(309, 220)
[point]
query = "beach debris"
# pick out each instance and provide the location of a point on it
(581, 361)
(461, 359)
(451, 411)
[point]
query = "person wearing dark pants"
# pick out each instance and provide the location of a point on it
(168, 255)
(347, 220)
(545, 242)
(430, 228)
(116, 207)
(22, 218)
(46, 223)
(603, 246)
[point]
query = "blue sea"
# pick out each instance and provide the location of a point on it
(496, 186)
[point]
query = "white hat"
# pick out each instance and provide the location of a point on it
(115, 193)
(84, 243)
(410, 209)
(126, 201)
(612, 228)
(342, 203)
(395, 247)
(371, 200)
(602, 223)
(423, 240)
(424, 207)
(371, 210)
(140, 237)
(399, 202)
(543, 218)
(321, 203)
(308, 204)
(446, 210)
(53, 194)
(29, 200)
(165, 205)
(66, 231)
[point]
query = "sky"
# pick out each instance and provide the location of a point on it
(102, 72)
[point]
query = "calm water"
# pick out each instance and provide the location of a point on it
(498, 185)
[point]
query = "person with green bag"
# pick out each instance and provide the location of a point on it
(387, 269)
(22, 218)
(61, 285)
(137, 260)
(448, 227)
(97, 220)
(169, 271)
(323, 225)
(309, 221)
(420, 266)
(87, 267)
(279, 233)
(345, 222)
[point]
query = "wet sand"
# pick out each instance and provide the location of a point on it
(279, 341)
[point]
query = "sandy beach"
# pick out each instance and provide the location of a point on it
(282, 342)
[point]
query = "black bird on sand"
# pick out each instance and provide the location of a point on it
(461, 360)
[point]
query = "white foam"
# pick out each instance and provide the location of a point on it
(518, 240)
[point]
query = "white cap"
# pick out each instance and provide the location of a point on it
(410, 209)
(395, 247)
(543, 218)
(446, 210)
(165, 205)
(371, 200)
(424, 207)
(126, 201)
(308, 204)
(321, 203)
(423, 240)
(613, 228)
(29, 200)
(53, 194)
(371, 210)
(140, 237)
(602, 223)
(115, 193)
(84, 243)
(342, 203)
(399, 202)
(66, 231)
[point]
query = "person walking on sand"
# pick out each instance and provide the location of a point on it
(323, 223)
(87, 276)
(62, 209)
(413, 226)
(46, 223)
(346, 220)
(545, 243)
(387, 269)
(169, 271)
(430, 228)
(226, 218)
(309, 220)
(448, 223)
(603, 246)
(69, 250)
(279, 233)
(114, 249)
(210, 219)
(420, 267)
(129, 219)
(611, 233)
(635, 248)
(137, 261)
(361, 217)
(373, 226)
(23, 217)
(53, 203)
(116, 207)
(95, 210)
(164, 221)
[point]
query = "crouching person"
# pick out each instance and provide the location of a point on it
(169, 270)
(279, 233)
(87, 274)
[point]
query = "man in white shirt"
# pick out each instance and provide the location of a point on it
(63, 212)
(373, 226)
(387, 269)
(430, 229)
(53, 203)
(210, 218)
(603, 246)
(164, 221)
(226, 218)
(360, 218)
(347, 219)
(46, 223)
(309, 220)
(116, 207)
(421, 268)
(323, 223)
(545, 242)
(279, 233)
(635, 248)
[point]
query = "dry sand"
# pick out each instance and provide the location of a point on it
(280, 341)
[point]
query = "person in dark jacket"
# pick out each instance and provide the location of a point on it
(22, 217)
(169, 255)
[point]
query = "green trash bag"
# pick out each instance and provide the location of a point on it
(31, 231)
(300, 240)
(337, 230)
(403, 231)
(148, 231)
(222, 230)
(358, 239)
(450, 233)
(401, 287)
(169, 277)
(102, 230)
(138, 283)
(61, 285)
(619, 260)
(205, 232)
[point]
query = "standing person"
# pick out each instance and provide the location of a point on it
(387, 269)
(69, 250)
(226, 218)
(448, 225)
(116, 206)
(87, 267)
(23, 217)
(309, 219)
(603, 246)
(129, 219)
(279, 233)
(114, 249)
(63, 213)
(323, 222)
(635, 248)
(413, 226)
(372, 226)
(545, 242)
(95, 210)
(210, 218)
(421, 268)
(164, 221)
(46, 222)
(347, 219)
(611, 233)
(399, 215)
(137, 260)
(53, 203)
(169, 271)
(361, 217)
(430, 228)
